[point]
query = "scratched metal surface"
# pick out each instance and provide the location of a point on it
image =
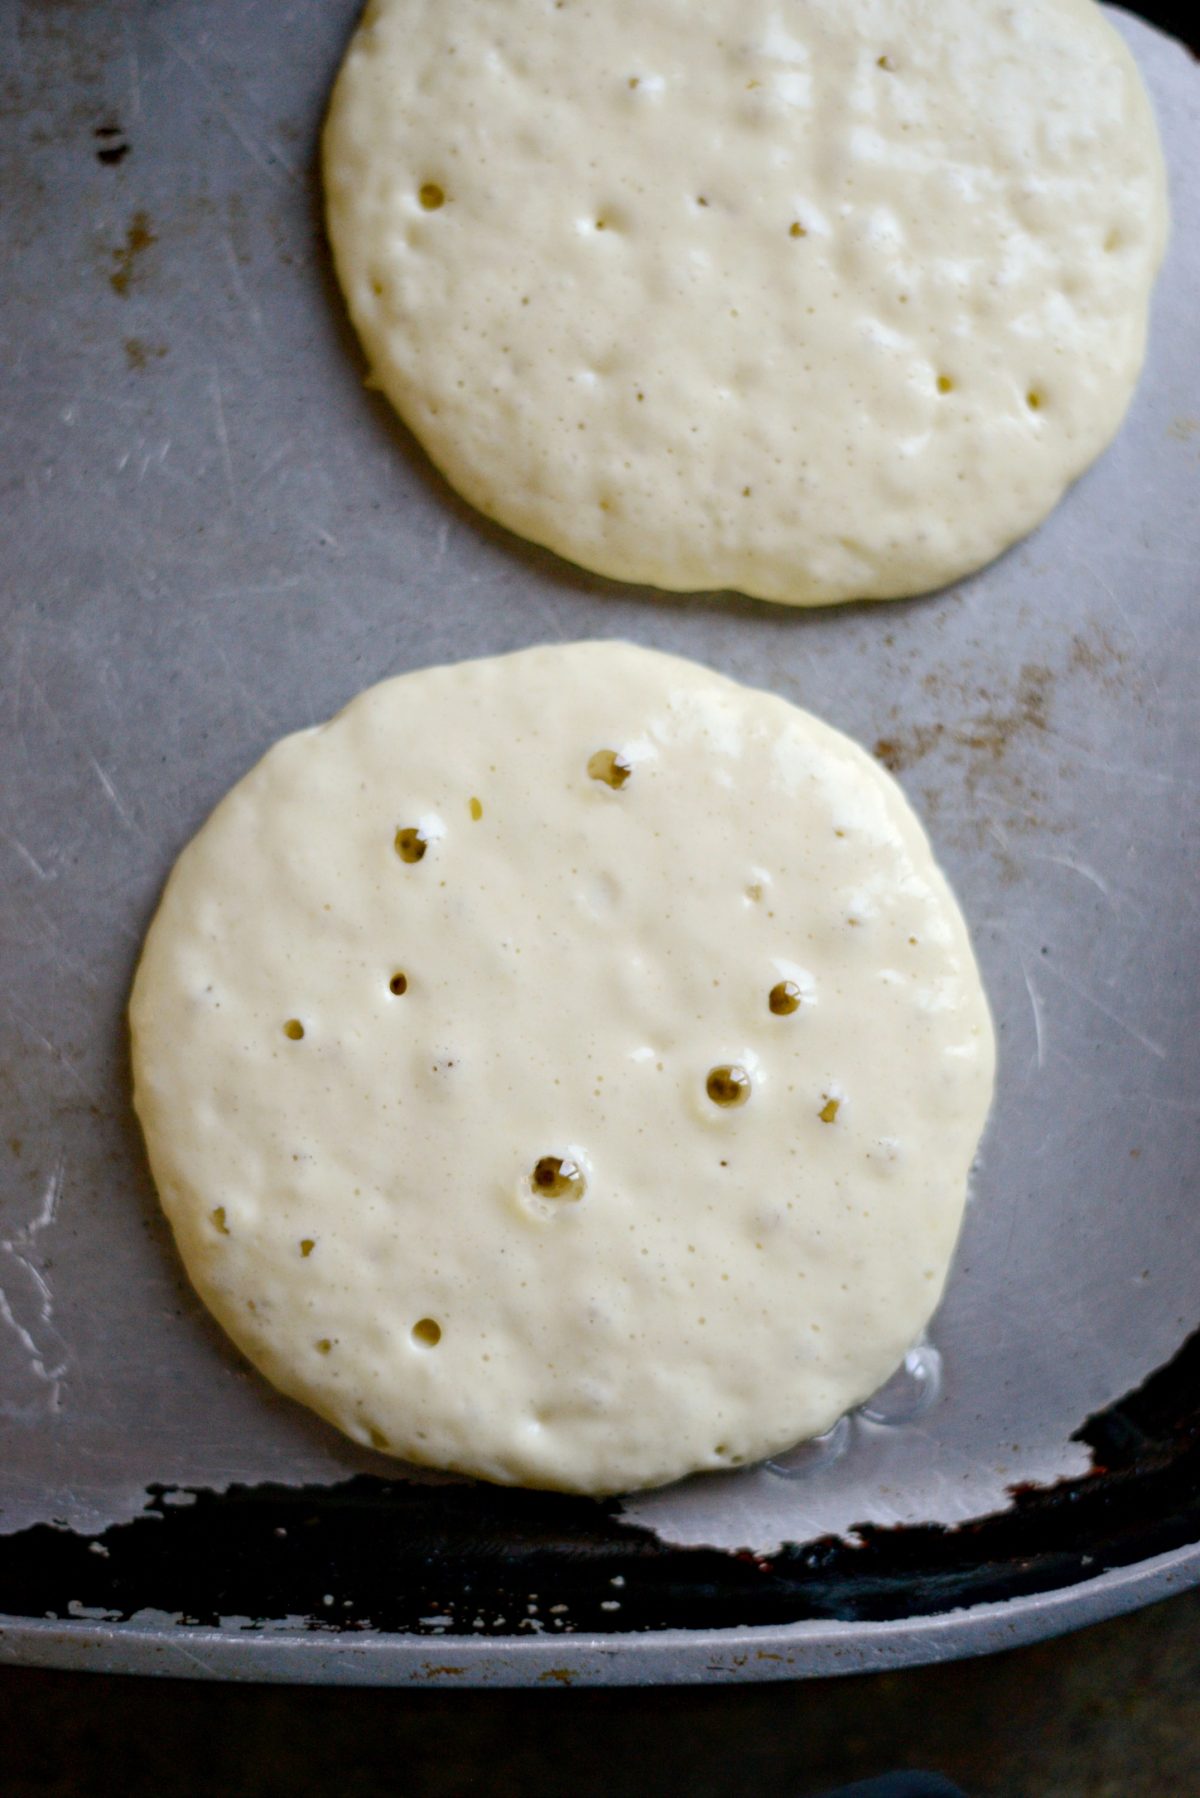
(214, 535)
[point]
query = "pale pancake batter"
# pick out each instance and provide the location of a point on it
(565, 1068)
(812, 299)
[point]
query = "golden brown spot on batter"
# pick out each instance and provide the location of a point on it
(784, 998)
(427, 1332)
(610, 767)
(1035, 399)
(728, 1085)
(410, 845)
(323, 1346)
(307, 1246)
(218, 1218)
(945, 384)
(431, 196)
(829, 1110)
(554, 1177)
(476, 809)
(796, 229)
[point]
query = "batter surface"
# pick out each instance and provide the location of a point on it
(565, 1068)
(812, 299)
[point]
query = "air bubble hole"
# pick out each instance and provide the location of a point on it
(728, 1086)
(409, 844)
(556, 1177)
(609, 766)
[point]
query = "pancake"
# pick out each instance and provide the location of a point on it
(812, 300)
(565, 1068)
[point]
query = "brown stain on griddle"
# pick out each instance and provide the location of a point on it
(984, 734)
(138, 353)
(139, 236)
(1097, 656)
(989, 733)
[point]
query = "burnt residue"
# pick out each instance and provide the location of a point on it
(112, 144)
(386, 1555)
(139, 236)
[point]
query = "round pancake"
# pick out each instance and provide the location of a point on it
(814, 300)
(565, 1068)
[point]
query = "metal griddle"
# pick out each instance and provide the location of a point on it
(215, 535)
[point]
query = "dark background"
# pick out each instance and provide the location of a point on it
(1181, 21)
(1113, 1712)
